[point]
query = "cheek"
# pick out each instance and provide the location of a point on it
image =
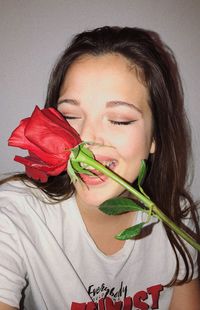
(125, 145)
(133, 143)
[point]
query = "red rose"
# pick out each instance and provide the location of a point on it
(48, 137)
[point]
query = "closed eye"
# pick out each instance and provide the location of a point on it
(121, 122)
(71, 117)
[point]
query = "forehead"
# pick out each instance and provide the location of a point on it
(110, 69)
(97, 81)
(107, 59)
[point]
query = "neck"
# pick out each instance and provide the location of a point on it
(102, 227)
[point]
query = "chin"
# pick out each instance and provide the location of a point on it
(95, 195)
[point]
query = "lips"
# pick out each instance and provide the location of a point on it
(99, 178)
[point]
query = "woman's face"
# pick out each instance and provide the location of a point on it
(102, 98)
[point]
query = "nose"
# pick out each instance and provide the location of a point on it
(91, 132)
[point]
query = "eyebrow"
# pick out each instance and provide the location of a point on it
(109, 104)
(70, 101)
(115, 103)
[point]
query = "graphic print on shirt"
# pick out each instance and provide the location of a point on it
(115, 298)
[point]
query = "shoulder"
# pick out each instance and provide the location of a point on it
(19, 201)
(162, 252)
(15, 187)
(17, 191)
(24, 202)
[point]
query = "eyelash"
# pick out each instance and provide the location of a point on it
(121, 123)
(71, 117)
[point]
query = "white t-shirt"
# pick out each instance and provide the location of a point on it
(47, 253)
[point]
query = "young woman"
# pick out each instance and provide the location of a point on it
(118, 88)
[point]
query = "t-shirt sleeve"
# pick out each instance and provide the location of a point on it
(12, 271)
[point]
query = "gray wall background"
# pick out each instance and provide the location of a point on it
(34, 32)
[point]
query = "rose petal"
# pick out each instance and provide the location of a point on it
(48, 137)
(36, 174)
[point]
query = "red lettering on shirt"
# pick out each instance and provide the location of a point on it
(78, 306)
(141, 300)
(128, 303)
(155, 293)
(110, 305)
(138, 300)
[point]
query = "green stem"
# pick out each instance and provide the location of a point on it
(175, 228)
(83, 158)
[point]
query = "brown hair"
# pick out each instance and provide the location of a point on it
(166, 181)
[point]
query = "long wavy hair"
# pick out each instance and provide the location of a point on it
(156, 65)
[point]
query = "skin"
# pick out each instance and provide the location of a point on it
(186, 297)
(6, 307)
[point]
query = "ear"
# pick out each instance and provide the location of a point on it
(153, 147)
